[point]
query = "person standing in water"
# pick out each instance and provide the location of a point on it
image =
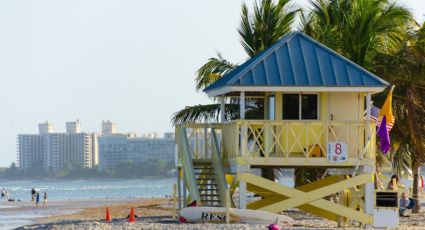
(37, 199)
(32, 194)
(45, 200)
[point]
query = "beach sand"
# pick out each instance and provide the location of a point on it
(155, 213)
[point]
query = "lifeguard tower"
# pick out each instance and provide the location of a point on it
(314, 103)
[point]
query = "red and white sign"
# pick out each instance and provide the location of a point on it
(337, 151)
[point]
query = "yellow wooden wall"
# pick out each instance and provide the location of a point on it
(344, 106)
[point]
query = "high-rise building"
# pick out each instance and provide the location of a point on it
(109, 127)
(53, 151)
(67, 149)
(44, 128)
(30, 151)
(73, 127)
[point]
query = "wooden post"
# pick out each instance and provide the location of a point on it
(369, 187)
(244, 128)
(179, 188)
(278, 116)
(222, 109)
(227, 205)
(184, 190)
(242, 105)
(242, 194)
(174, 210)
(206, 156)
(242, 186)
(368, 123)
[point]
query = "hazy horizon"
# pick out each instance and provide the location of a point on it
(131, 62)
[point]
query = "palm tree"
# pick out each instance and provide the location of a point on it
(358, 29)
(406, 69)
(259, 29)
(373, 34)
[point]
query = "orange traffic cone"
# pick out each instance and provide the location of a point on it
(108, 215)
(131, 216)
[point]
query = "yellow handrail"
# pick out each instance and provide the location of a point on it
(218, 168)
(188, 166)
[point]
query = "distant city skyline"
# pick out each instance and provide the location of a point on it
(75, 126)
(52, 151)
(133, 62)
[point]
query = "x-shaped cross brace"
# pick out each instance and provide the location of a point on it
(309, 197)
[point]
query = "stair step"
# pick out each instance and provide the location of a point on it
(203, 163)
(205, 178)
(206, 189)
(204, 173)
(210, 201)
(203, 184)
(210, 195)
(206, 182)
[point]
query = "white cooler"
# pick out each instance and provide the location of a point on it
(385, 218)
(385, 214)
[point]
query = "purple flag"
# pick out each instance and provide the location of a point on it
(384, 135)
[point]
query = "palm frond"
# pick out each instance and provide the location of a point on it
(204, 113)
(212, 71)
(265, 25)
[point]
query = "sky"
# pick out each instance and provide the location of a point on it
(129, 61)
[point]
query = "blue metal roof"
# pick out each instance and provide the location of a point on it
(298, 61)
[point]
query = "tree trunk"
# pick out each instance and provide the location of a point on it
(416, 175)
(304, 176)
(268, 173)
(418, 147)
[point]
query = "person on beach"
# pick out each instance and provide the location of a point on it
(32, 194)
(3, 194)
(45, 200)
(391, 185)
(406, 204)
(37, 199)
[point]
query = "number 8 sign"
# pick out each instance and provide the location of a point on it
(337, 151)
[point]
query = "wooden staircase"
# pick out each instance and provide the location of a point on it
(206, 183)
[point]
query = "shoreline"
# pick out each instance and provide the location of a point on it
(24, 213)
(155, 213)
(88, 178)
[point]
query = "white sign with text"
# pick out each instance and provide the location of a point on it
(337, 151)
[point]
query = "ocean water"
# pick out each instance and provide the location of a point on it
(86, 189)
(62, 190)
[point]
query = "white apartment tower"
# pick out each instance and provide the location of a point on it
(62, 149)
(30, 151)
(109, 127)
(44, 128)
(73, 127)
(53, 151)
